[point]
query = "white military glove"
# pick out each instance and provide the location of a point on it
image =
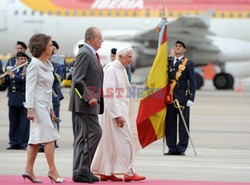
(189, 103)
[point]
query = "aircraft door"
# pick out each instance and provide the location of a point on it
(3, 14)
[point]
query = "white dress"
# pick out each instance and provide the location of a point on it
(116, 150)
(39, 81)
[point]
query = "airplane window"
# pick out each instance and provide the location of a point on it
(83, 13)
(33, 12)
(117, 14)
(222, 14)
(41, 12)
(134, 14)
(66, 13)
(109, 13)
(147, 14)
(49, 12)
(75, 13)
(126, 13)
(231, 14)
(24, 12)
(58, 12)
(214, 15)
(16, 12)
(248, 15)
(92, 13)
(100, 13)
(240, 15)
(179, 14)
(170, 14)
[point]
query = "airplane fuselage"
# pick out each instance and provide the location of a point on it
(67, 24)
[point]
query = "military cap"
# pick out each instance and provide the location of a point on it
(22, 44)
(21, 54)
(55, 44)
(181, 43)
(113, 51)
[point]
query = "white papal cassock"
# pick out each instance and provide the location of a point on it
(116, 150)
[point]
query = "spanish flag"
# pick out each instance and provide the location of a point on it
(152, 110)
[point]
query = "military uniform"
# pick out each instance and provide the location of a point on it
(19, 124)
(57, 95)
(2, 86)
(183, 91)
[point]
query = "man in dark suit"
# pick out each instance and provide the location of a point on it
(87, 102)
(184, 92)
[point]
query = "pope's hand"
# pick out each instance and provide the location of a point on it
(189, 103)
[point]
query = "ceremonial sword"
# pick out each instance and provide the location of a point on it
(177, 105)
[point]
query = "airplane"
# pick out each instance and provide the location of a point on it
(219, 38)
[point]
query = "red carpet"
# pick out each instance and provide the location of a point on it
(15, 180)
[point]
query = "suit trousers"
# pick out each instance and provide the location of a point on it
(171, 129)
(80, 155)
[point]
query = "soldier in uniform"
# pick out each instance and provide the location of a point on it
(18, 122)
(20, 47)
(58, 59)
(57, 94)
(184, 92)
(1, 79)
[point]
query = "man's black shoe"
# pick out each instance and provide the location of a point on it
(170, 153)
(13, 148)
(181, 153)
(85, 177)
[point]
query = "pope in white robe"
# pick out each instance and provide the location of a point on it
(116, 151)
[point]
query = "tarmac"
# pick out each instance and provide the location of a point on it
(220, 130)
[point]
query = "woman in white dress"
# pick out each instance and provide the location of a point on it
(39, 81)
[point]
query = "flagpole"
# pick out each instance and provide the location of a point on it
(164, 138)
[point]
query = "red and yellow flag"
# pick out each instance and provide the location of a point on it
(152, 110)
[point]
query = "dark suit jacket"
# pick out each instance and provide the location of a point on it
(186, 85)
(87, 78)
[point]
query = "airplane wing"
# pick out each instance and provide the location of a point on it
(194, 31)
